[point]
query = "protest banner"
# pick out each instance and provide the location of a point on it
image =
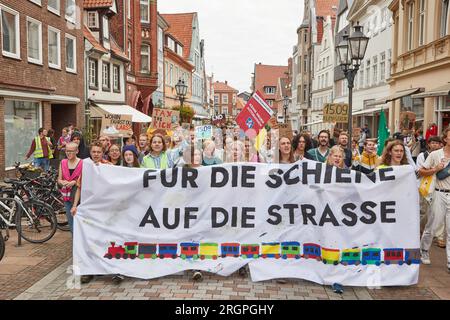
(286, 130)
(203, 132)
(335, 113)
(164, 118)
(117, 125)
(219, 120)
(304, 220)
(254, 116)
(273, 123)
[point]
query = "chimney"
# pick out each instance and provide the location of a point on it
(226, 82)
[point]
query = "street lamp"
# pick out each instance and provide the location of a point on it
(350, 52)
(285, 106)
(181, 89)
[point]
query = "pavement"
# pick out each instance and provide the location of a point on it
(42, 272)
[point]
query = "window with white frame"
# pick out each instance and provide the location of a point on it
(10, 32)
(410, 29)
(361, 76)
(171, 44)
(71, 9)
(145, 11)
(270, 90)
(216, 99)
(375, 70)
(160, 39)
(116, 78)
(93, 73)
(368, 73)
(106, 83)
(105, 27)
(145, 59)
(180, 50)
(129, 9)
(92, 19)
(383, 66)
(225, 98)
(225, 110)
(326, 79)
(36, 2)
(54, 48)
(384, 18)
(422, 5)
(71, 53)
(171, 78)
(34, 40)
(444, 18)
(54, 6)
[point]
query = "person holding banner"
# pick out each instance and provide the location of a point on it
(285, 153)
(130, 157)
(301, 145)
(336, 157)
(114, 155)
(158, 158)
(393, 155)
(321, 153)
(438, 162)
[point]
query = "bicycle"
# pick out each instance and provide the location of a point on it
(2, 245)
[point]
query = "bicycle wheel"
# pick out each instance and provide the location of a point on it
(37, 223)
(60, 211)
(2, 246)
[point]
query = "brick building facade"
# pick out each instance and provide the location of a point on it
(41, 74)
(225, 99)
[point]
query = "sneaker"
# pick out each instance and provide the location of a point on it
(117, 279)
(197, 276)
(86, 279)
(425, 257)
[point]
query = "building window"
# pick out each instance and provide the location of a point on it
(383, 67)
(106, 84)
(225, 98)
(368, 73)
(70, 10)
(171, 78)
(22, 121)
(34, 43)
(145, 11)
(93, 74)
(129, 55)
(116, 78)
(305, 64)
(225, 110)
(93, 19)
(129, 9)
(180, 50)
(422, 22)
(38, 2)
(270, 102)
(71, 53)
(10, 32)
(375, 70)
(216, 99)
(160, 39)
(54, 6)
(361, 76)
(105, 28)
(444, 18)
(410, 29)
(171, 44)
(145, 59)
(54, 48)
(270, 90)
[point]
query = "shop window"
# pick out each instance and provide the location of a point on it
(22, 122)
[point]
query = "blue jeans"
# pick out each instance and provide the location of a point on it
(68, 206)
(44, 163)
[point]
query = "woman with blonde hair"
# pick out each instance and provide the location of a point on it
(394, 155)
(158, 158)
(336, 157)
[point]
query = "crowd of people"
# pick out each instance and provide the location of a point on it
(179, 147)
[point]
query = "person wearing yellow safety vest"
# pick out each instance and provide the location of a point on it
(157, 158)
(41, 148)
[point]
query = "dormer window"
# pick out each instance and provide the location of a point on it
(171, 44)
(93, 19)
(270, 90)
(105, 27)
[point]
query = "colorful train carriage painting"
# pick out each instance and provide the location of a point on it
(249, 251)
(131, 250)
(393, 256)
(229, 250)
(290, 250)
(312, 251)
(209, 251)
(167, 250)
(114, 252)
(189, 250)
(371, 256)
(147, 251)
(351, 257)
(330, 256)
(270, 250)
(412, 256)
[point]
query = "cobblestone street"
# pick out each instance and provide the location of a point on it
(40, 272)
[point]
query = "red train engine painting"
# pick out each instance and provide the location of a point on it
(115, 252)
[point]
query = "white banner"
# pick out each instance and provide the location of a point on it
(304, 220)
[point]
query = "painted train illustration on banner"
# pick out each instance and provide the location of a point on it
(272, 250)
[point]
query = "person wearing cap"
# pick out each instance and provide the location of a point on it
(130, 156)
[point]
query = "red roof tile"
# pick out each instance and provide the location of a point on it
(91, 38)
(89, 4)
(117, 51)
(267, 76)
(180, 26)
(221, 87)
(325, 8)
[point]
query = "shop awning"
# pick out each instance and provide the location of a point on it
(395, 96)
(100, 109)
(438, 92)
(369, 111)
(200, 112)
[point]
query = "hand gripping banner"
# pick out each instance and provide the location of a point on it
(305, 220)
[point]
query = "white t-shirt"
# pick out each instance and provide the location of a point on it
(432, 161)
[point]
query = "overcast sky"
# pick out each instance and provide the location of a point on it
(239, 33)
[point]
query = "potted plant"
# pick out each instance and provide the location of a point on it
(186, 113)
